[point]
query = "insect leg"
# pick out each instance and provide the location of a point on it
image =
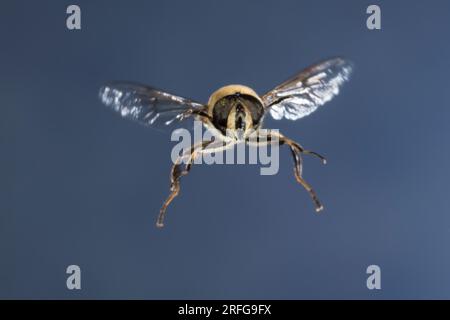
(298, 176)
(296, 151)
(296, 145)
(176, 173)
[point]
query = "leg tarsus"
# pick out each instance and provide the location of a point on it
(302, 150)
(312, 193)
(298, 176)
(176, 173)
(175, 189)
(324, 160)
(296, 150)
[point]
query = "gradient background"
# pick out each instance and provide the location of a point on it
(80, 185)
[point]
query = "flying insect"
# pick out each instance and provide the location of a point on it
(234, 108)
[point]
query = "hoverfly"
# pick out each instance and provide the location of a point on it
(234, 108)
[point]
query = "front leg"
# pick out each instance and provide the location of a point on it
(296, 150)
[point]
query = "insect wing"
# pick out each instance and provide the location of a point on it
(308, 90)
(147, 105)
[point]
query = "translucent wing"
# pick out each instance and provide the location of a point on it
(146, 105)
(305, 92)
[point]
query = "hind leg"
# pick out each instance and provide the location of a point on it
(296, 150)
(179, 169)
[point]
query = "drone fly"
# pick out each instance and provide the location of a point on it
(234, 108)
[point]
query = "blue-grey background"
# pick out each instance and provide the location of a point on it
(80, 185)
